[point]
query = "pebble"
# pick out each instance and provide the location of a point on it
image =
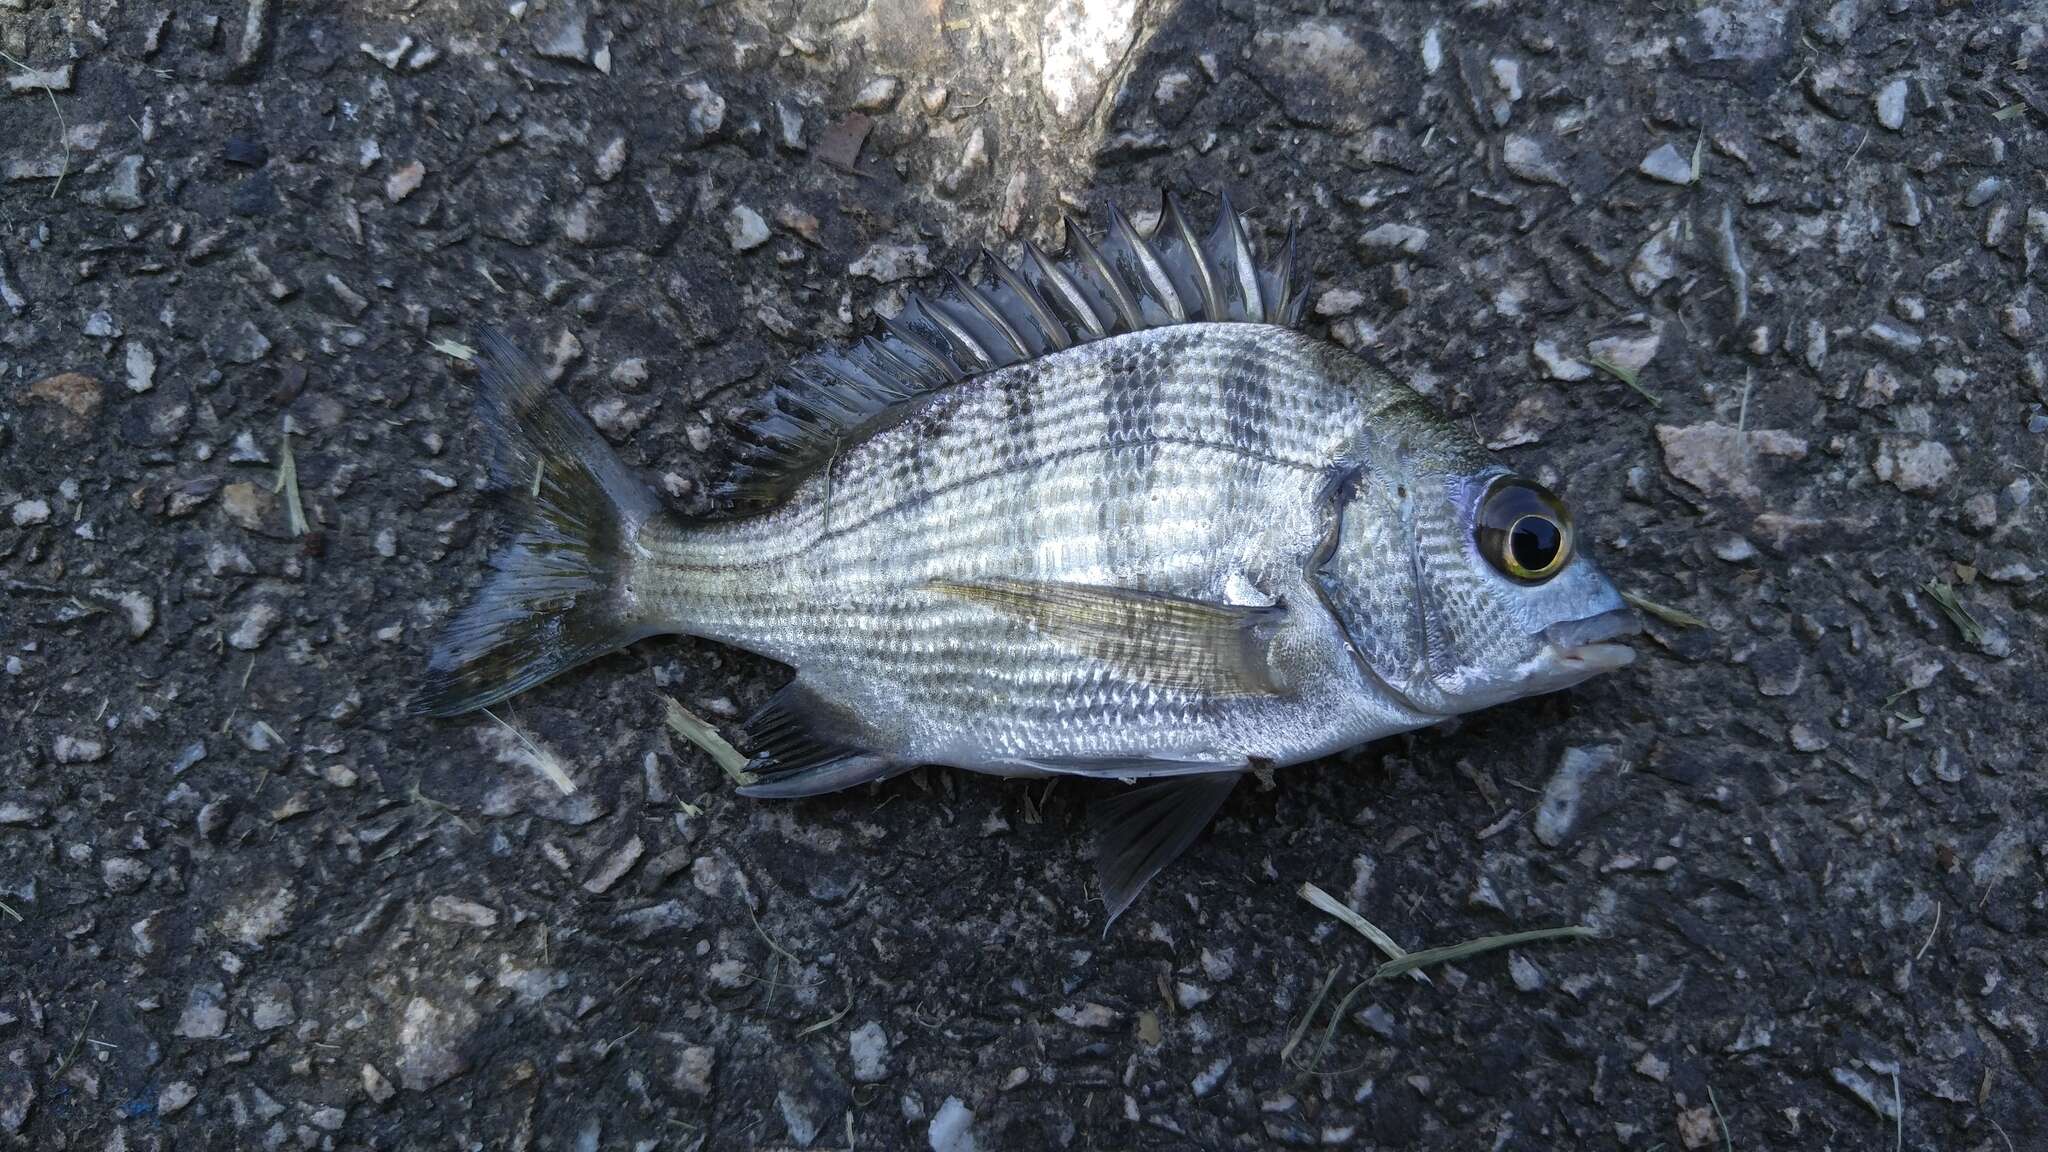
(175, 1097)
(28, 513)
(799, 1116)
(615, 867)
(1667, 164)
(261, 619)
(1893, 337)
(1696, 1128)
(886, 262)
(204, 1017)
(1717, 458)
(17, 1099)
(1081, 42)
(1391, 238)
(1208, 1078)
(2017, 322)
(612, 160)
(270, 1006)
(1630, 353)
(1982, 192)
(565, 37)
(456, 910)
(707, 110)
(1656, 261)
(693, 1069)
(431, 1039)
(869, 1047)
(78, 749)
(141, 365)
(1891, 104)
(75, 392)
(745, 228)
(1556, 365)
(1734, 549)
(1524, 972)
(878, 94)
(123, 874)
(1526, 157)
(123, 190)
(1563, 804)
(38, 80)
(404, 181)
(1920, 468)
(952, 1128)
(376, 1085)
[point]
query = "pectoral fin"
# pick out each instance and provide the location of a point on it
(1143, 828)
(1170, 641)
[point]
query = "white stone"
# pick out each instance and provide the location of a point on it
(1081, 42)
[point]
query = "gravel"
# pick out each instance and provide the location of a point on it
(266, 906)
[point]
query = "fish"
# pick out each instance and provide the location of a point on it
(1110, 514)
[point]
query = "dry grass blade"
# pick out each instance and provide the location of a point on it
(453, 349)
(63, 129)
(1308, 1017)
(684, 723)
(1628, 376)
(827, 1022)
(1674, 616)
(542, 760)
(288, 483)
(1944, 597)
(9, 909)
(1454, 952)
(1359, 924)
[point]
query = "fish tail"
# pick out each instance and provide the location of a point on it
(560, 591)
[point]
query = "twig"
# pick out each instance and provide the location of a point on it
(828, 1021)
(685, 723)
(63, 129)
(80, 1042)
(1898, 1113)
(288, 483)
(1931, 932)
(1454, 952)
(1301, 1029)
(1727, 1141)
(4, 907)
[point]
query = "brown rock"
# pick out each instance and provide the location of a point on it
(1716, 458)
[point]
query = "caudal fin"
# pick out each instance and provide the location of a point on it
(555, 596)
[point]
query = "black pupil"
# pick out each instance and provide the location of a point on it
(1534, 543)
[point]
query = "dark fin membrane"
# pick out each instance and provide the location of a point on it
(1168, 641)
(1124, 282)
(1144, 828)
(551, 601)
(804, 746)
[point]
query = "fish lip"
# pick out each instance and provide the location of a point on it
(1593, 659)
(1574, 637)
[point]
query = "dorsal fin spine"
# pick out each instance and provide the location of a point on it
(1154, 274)
(1083, 309)
(1107, 280)
(1205, 276)
(982, 304)
(1055, 332)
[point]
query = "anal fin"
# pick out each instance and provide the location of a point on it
(1142, 829)
(802, 745)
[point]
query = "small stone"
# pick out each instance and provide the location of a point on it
(1983, 192)
(707, 110)
(75, 392)
(693, 1070)
(456, 910)
(869, 1047)
(259, 917)
(175, 1097)
(123, 874)
(2017, 322)
(391, 57)
(612, 160)
(101, 324)
(39, 80)
(1666, 163)
(1526, 157)
(78, 749)
(1208, 1078)
(745, 228)
(566, 36)
(250, 506)
(615, 867)
(124, 188)
(141, 363)
(17, 1099)
(431, 1042)
(20, 814)
(270, 1006)
(1628, 352)
(952, 1128)
(973, 162)
(1920, 468)
(1779, 668)
(257, 624)
(799, 1115)
(1556, 365)
(1524, 972)
(1880, 387)
(28, 513)
(1081, 43)
(1891, 104)
(1656, 261)
(1391, 238)
(1893, 338)
(1716, 458)
(1734, 549)
(877, 95)
(1807, 738)
(1696, 1128)
(237, 342)
(1980, 512)
(886, 262)
(1564, 804)
(404, 182)
(204, 1017)
(376, 1085)
(1653, 1066)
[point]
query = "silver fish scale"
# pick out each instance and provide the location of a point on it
(1181, 460)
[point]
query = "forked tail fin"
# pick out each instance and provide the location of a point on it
(558, 593)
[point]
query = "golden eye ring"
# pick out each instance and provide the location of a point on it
(1523, 530)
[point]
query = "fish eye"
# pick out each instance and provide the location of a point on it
(1523, 530)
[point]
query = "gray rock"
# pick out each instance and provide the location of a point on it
(38, 80)
(17, 1098)
(456, 910)
(693, 1070)
(431, 1041)
(611, 161)
(257, 623)
(887, 262)
(1556, 365)
(745, 228)
(1526, 157)
(270, 1007)
(565, 35)
(1921, 468)
(1564, 804)
(1656, 261)
(1081, 42)
(123, 190)
(1716, 458)
(175, 1097)
(1746, 35)
(952, 1129)
(141, 365)
(1891, 104)
(237, 342)
(615, 867)
(1667, 164)
(78, 749)
(205, 1015)
(123, 874)
(799, 1116)
(376, 1085)
(878, 94)
(868, 1045)
(707, 110)
(1394, 239)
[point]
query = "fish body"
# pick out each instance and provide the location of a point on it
(1107, 517)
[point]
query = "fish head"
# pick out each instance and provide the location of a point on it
(1461, 584)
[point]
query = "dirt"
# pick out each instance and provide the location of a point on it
(1757, 285)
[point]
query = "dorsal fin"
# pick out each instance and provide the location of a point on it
(1125, 281)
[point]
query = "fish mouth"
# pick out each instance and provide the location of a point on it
(1581, 645)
